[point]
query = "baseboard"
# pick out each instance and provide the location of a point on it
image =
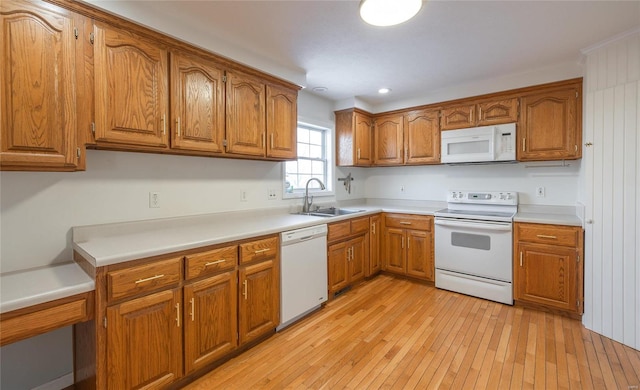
(58, 383)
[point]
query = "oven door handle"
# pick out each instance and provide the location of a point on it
(475, 225)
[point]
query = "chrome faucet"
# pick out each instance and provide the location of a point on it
(306, 206)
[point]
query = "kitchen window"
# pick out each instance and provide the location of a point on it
(314, 160)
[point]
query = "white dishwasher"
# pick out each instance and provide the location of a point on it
(303, 272)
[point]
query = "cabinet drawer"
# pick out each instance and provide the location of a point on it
(259, 249)
(148, 277)
(548, 234)
(212, 261)
(360, 225)
(339, 230)
(408, 221)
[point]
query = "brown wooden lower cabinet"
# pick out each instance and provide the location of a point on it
(347, 252)
(548, 266)
(210, 322)
(259, 307)
(408, 245)
(163, 319)
(144, 341)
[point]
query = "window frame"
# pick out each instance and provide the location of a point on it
(329, 157)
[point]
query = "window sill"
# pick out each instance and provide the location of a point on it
(300, 195)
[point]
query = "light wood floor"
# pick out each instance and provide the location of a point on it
(396, 334)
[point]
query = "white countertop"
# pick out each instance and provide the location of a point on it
(22, 289)
(552, 215)
(108, 244)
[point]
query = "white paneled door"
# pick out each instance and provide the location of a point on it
(612, 189)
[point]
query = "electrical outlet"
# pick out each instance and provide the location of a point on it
(154, 200)
(243, 196)
(540, 192)
(271, 194)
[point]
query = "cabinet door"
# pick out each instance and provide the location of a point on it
(458, 117)
(359, 252)
(246, 118)
(337, 266)
(546, 275)
(38, 86)
(497, 112)
(374, 246)
(197, 104)
(422, 137)
(144, 341)
(363, 140)
(131, 89)
(259, 301)
(210, 319)
(394, 254)
(550, 126)
(282, 122)
(420, 254)
(388, 146)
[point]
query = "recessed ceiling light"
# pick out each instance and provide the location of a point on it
(388, 12)
(319, 89)
(384, 90)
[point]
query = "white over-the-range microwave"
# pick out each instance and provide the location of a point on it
(479, 144)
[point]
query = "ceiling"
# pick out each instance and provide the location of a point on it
(448, 43)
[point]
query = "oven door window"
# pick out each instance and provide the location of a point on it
(473, 241)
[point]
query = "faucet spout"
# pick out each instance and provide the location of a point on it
(306, 205)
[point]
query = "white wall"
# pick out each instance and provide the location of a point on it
(612, 189)
(432, 182)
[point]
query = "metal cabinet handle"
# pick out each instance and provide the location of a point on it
(520, 259)
(358, 153)
(214, 262)
(192, 309)
(402, 242)
(373, 228)
(178, 314)
(262, 251)
(245, 289)
(164, 124)
(271, 140)
(524, 142)
(408, 241)
(149, 279)
(405, 223)
(549, 237)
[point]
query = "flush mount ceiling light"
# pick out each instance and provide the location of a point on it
(384, 90)
(388, 12)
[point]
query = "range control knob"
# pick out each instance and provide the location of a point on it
(460, 195)
(454, 195)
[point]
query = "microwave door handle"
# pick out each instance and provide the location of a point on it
(494, 131)
(474, 225)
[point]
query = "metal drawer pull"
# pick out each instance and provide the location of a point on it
(262, 251)
(192, 309)
(214, 262)
(408, 241)
(402, 242)
(245, 289)
(545, 236)
(405, 223)
(149, 279)
(178, 314)
(520, 259)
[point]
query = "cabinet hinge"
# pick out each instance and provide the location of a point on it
(578, 304)
(576, 94)
(93, 129)
(92, 38)
(578, 259)
(75, 32)
(224, 78)
(224, 143)
(104, 322)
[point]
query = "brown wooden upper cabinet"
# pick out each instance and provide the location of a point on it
(282, 122)
(38, 81)
(388, 140)
(407, 138)
(483, 113)
(246, 115)
(197, 104)
(551, 125)
(131, 89)
(354, 138)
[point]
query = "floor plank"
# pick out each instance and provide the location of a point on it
(392, 333)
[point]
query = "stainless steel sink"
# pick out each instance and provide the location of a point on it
(332, 212)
